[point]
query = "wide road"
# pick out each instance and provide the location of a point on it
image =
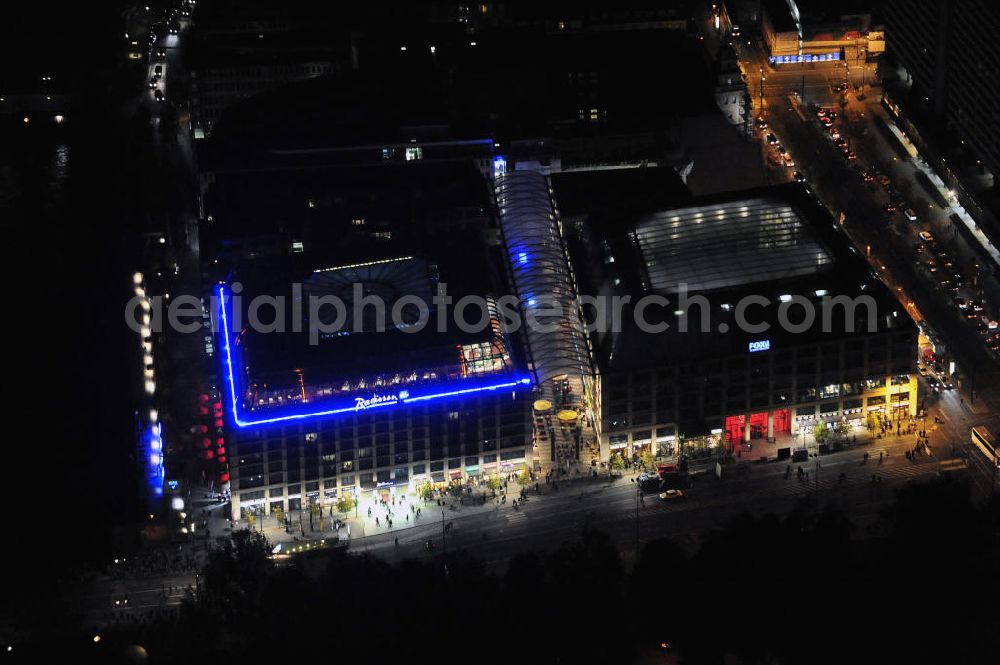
(545, 521)
(838, 184)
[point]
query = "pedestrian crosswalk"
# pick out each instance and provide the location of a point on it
(516, 517)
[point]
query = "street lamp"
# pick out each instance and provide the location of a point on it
(761, 89)
(638, 490)
(817, 482)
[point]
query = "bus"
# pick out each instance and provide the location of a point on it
(984, 441)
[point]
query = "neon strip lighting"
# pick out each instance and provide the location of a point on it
(363, 265)
(402, 397)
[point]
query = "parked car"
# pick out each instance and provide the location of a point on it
(672, 495)
(910, 214)
(649, 483)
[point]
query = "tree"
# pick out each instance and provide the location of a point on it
(279, 514)
(345, 503)
(872, 421)
(646, 458)
(524, 477)
(455, 489)
(426, 491)
(494, 482)
(820, 432)
(234, 571)
(617, 462)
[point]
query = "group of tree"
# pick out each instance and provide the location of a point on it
(802, 589)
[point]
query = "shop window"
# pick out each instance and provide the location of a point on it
(831, 390)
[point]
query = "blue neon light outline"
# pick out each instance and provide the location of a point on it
(515, 383)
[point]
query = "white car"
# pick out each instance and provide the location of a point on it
(910, 214)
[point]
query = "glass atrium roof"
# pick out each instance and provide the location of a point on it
(728, 244)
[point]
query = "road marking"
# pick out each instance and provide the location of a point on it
(516, 517)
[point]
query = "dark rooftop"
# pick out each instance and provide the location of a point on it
(551, 85)
(325, 207)
(279, 368)
(773, 242)
(780, 15)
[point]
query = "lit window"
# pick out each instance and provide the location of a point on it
(415, 153)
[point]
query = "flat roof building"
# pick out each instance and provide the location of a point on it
(365, 397)
(724, 349)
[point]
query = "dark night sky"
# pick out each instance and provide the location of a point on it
(63, 38)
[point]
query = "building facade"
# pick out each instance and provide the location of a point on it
(775, 393)
(948, 50)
